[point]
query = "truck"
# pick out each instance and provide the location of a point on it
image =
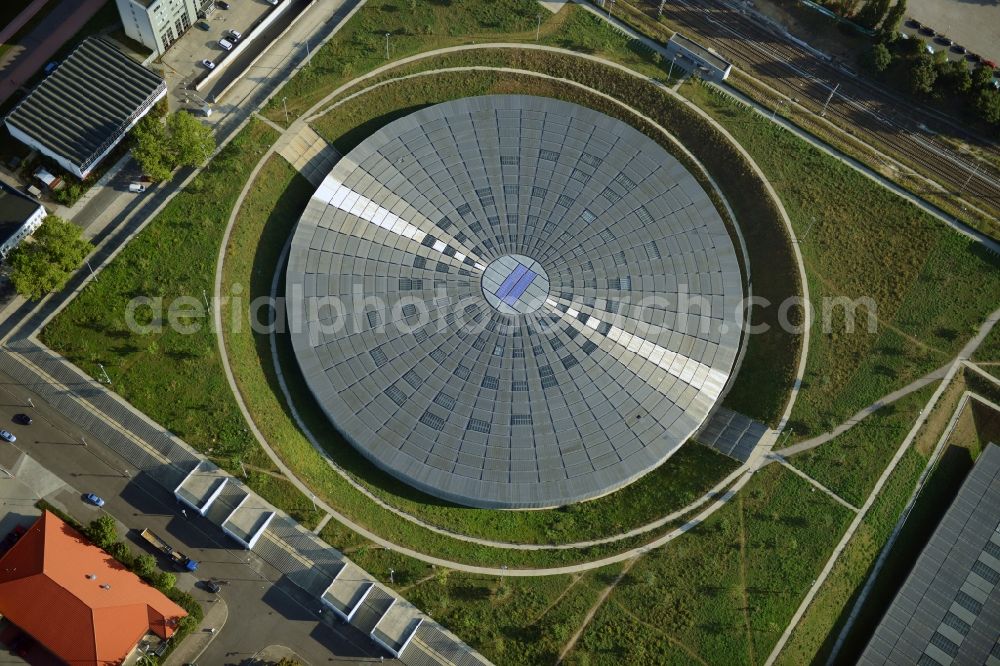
(177, 557)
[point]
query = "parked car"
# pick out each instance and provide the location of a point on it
(212, 586)
(23, 419)
(222, 5)
(136, 188)
(94, 499)
(8, 436)
(208, 64)
(973, 57)
(914, 23)
(234, 35)
(946, 41)
(957, 48)
(927, 31)
(989, 63)
(226, 44)
(273, 2)
(203, 25)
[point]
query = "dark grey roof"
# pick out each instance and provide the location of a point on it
(697, 49)
(86, 101)
(536, 261)
(15, 209)
(948, 610)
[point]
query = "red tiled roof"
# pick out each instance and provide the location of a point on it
(47, 590)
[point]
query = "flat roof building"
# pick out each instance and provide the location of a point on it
(948, 610)
(75, 600)
(697, 59)
(80, 112)
(532, 303)
(156, 24)
(20, 216)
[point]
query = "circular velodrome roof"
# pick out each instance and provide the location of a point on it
(492, 296)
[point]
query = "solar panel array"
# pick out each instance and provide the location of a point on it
(513, 301)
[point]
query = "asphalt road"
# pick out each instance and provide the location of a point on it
(264, 609)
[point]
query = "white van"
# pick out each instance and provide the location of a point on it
(137, 188)
(226, 44)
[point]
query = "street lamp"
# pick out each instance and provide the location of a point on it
(538, 28)
(671, 71)
(284, 103)
(386, 46)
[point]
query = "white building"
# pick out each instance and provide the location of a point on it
(20, 216)
(159, 23)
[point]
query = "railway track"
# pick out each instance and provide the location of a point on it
(804, 74)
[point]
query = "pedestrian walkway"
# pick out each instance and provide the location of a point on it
(308, 152)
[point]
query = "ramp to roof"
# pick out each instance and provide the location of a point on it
(731, 433)
(201, 487)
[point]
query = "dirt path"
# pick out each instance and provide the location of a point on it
(571, 643)
(743, 580)
(576, 579)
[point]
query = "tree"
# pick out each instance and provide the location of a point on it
(161, 146)
(192, 142)
(145, 566)
(873, 12)
(103, 531)
(44, 262)
(121, 552)
(955, 75)
(988, 105)
(151, 149)
(923, 74)
(982, 76)
(881, 58)
(890, 26)
(165, 581)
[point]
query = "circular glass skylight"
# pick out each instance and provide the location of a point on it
(513, 301)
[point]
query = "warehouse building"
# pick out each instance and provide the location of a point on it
(81, 111)
(948, 610)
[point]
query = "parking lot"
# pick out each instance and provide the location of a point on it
(974, 25)
(183, 61)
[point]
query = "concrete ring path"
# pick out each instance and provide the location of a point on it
(741, 475)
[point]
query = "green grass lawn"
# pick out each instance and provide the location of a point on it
(425, 25)
(851, 463)
(176, 378)
(724, 592)
(512, 621)
(989, 350)
(815, 633)
(931, 287)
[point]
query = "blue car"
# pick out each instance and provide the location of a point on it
(94, 499)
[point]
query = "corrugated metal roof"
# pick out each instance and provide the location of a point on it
(948, 610)
(89, 98)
